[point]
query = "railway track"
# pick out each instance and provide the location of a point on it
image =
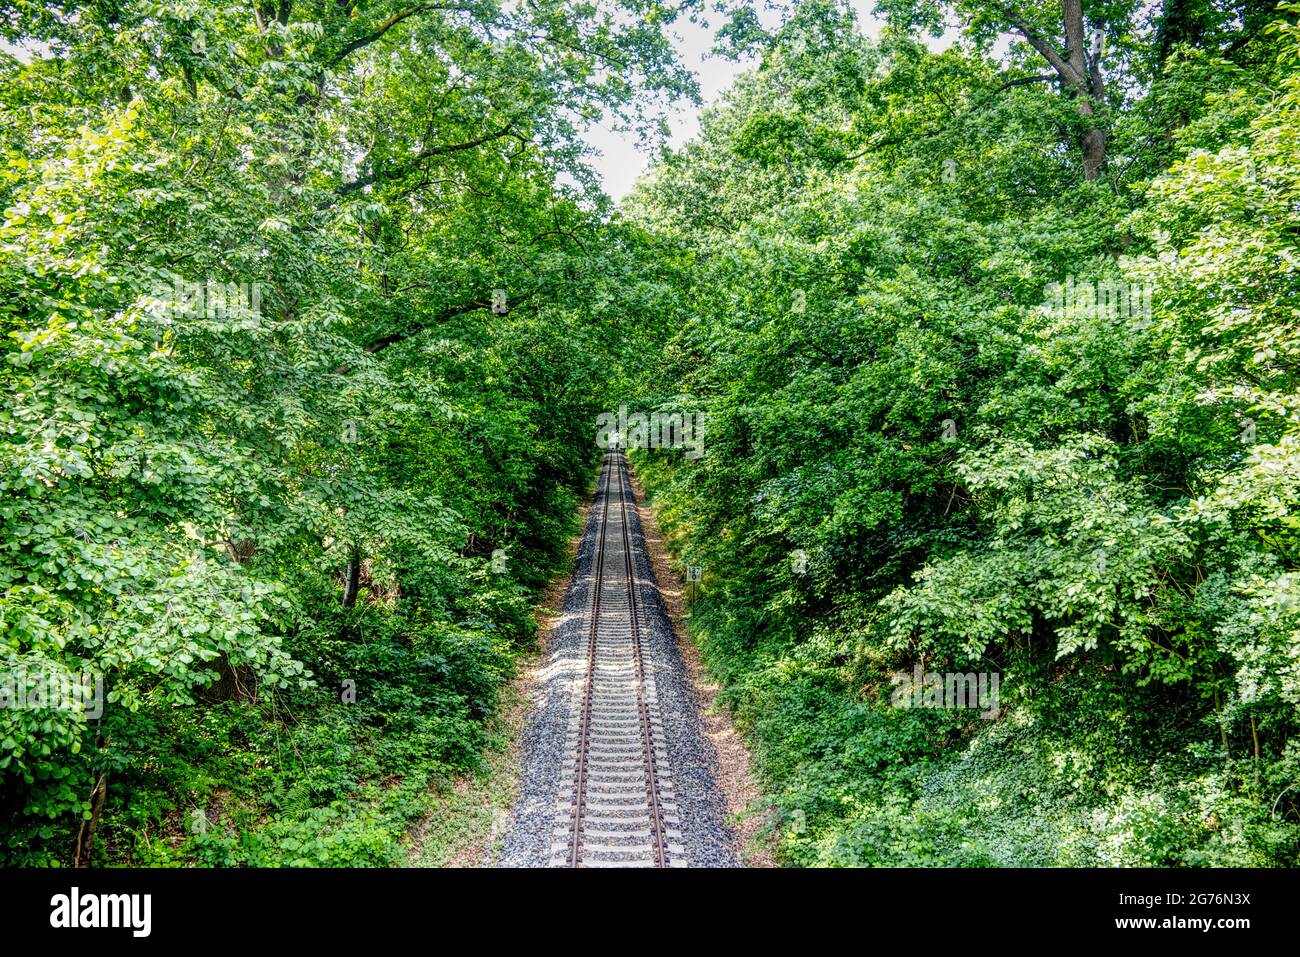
(617, 807)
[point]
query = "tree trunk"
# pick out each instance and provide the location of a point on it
(1085, 81)
(352, 578)
(86, 833)
(1079, 70)
(1093, 145)
(234, 683)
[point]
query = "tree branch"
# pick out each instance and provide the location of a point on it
(451, 312)
(1049, 52)
(366, 39)
(352, 46)
(427, 153)
(975, 107)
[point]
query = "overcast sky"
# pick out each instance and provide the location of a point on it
(622, 158)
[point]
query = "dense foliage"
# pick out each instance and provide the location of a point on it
(301, 336)
(309, 309)
(926, 447)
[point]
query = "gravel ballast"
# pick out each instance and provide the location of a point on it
(705, 834)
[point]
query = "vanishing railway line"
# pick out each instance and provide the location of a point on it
(616, 806)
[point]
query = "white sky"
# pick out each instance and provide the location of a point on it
(622, 157)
